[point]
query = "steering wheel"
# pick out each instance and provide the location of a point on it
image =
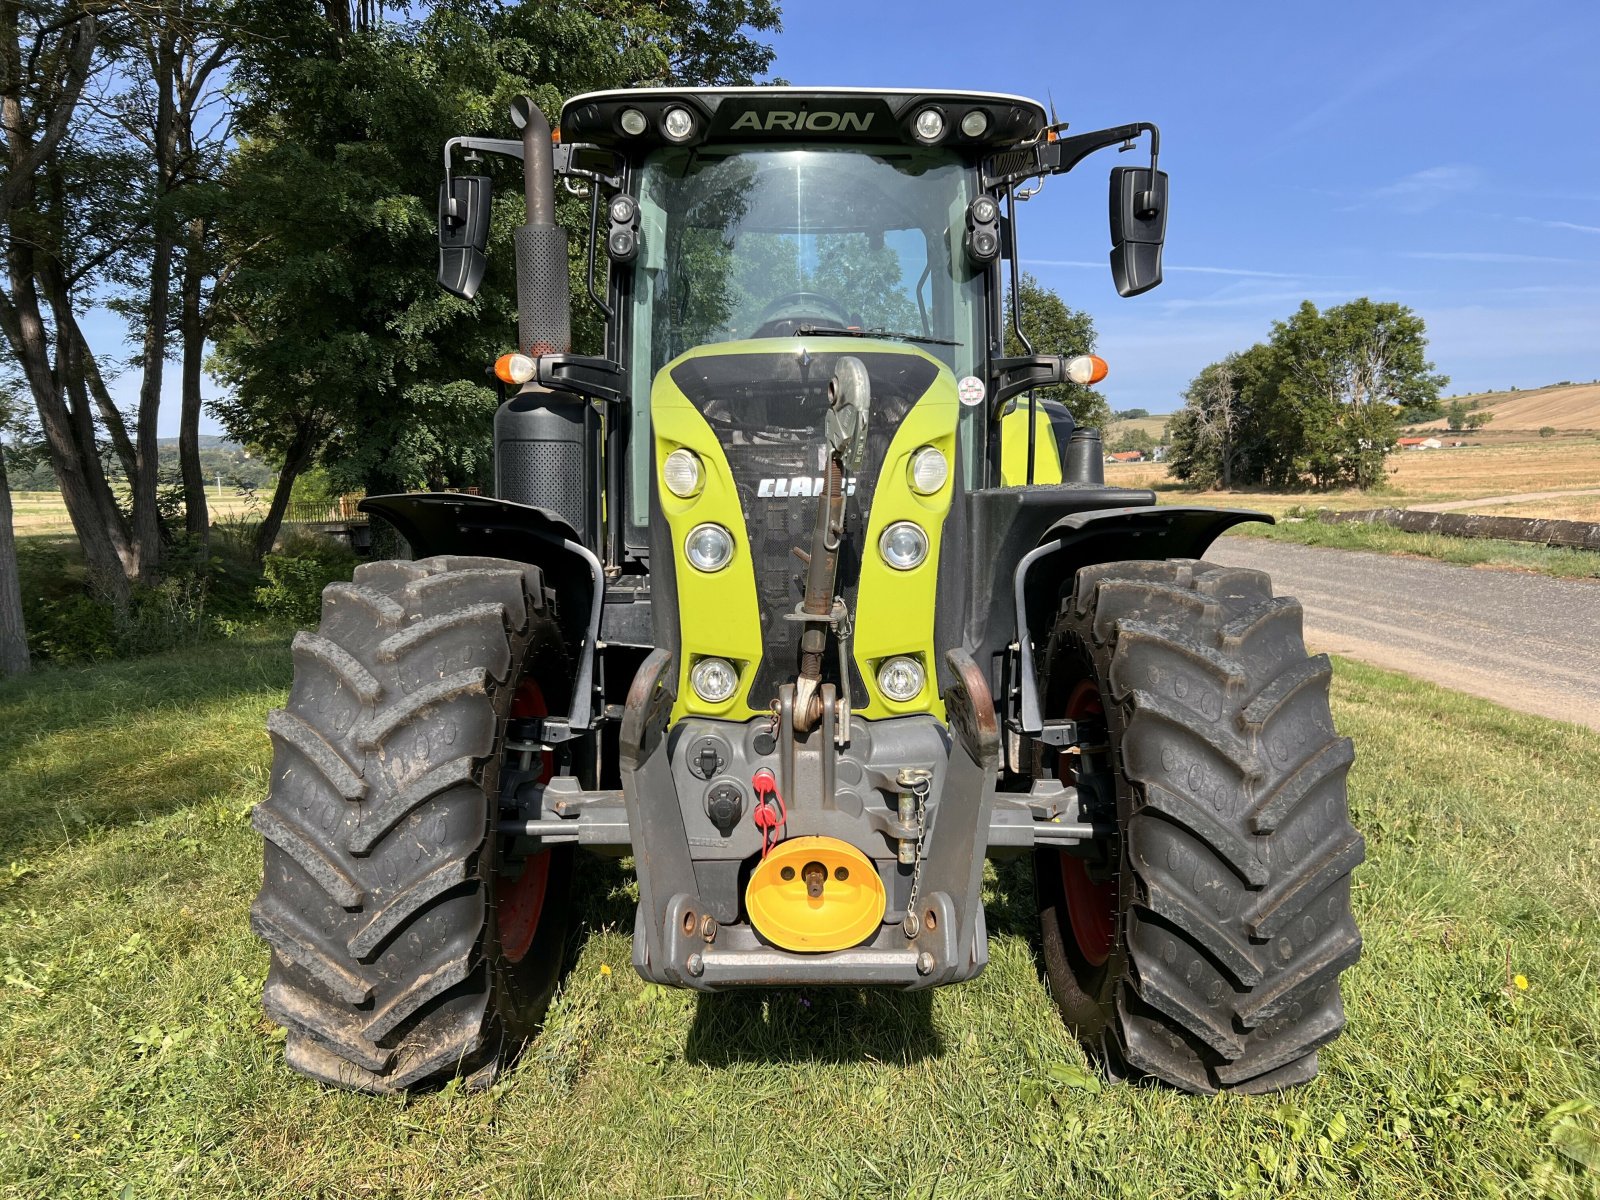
(784, 316)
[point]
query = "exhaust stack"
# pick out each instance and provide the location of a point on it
(544, 304)
(546, 443)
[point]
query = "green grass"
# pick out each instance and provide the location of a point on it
(1471, 552)
(134, 1060)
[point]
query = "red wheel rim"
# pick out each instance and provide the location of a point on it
(1091, 905)
(520, 900)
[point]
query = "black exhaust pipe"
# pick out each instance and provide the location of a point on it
(547, 443)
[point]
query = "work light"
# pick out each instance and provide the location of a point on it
(901, 678)
(678, 124)
(632, 122)
(929, 125)
(975, 123)
(714, 680)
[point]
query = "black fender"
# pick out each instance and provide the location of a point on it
(455, 523)
(1082, 539)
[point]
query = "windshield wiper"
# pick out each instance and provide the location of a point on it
(830, 331)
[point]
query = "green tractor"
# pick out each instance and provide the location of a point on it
(803, 598)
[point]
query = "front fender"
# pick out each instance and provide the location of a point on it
(455, 523)
(1082, 539)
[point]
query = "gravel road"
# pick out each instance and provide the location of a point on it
(1527, 641)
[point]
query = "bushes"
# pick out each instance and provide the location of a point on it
(296, 576)
(70, 621)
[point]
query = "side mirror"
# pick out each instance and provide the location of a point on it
(1138, 228)
(463, 233)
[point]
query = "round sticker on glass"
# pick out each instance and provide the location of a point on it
(970, 390)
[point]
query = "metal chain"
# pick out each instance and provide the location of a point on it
(912, 925)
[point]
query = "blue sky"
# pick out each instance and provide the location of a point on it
(1438, 154)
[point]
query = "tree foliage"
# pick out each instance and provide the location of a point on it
(338, 345)
(1316, 403)
(1055, 328)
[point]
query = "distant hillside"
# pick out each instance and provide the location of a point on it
(208, 441)
(1565, 406)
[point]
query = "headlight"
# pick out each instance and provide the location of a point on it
(975, 123)
(633, 122)
(929, 125)
(901, 678)
(929, 470)
(679, 124)
(682, 474)
(708, 547)
(714, 680)
(903, 545)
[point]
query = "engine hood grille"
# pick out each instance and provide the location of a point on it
(768, 412)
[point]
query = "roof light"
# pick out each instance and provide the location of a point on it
(1086, 369)
(929, 125)
(975, 124)
(678, 124)
(632, 122)
(514, 368)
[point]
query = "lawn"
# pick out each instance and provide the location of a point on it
(134, 1061)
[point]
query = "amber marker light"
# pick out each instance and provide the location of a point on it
(513, 368)
(1086, 369)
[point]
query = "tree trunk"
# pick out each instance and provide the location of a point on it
(193, 334)
(146, 519)
(83, 487)
(13, 633)
(295, 461)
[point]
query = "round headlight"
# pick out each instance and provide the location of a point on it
(679, 124)
(682, 474)
(901, 678)
(975, 123)
(985, 210)
(633, 122)
(708, 547)
(622, 244)
(714, 680)
(929, 125)
(929, 470)
(903, 545)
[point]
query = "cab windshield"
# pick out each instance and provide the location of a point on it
(751, 242)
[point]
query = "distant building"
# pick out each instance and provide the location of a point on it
(1126, 456)
(1421, 443)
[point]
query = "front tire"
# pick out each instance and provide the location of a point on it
(1205, 945)
(405, 948)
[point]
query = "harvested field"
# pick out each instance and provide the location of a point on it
(1564, 406)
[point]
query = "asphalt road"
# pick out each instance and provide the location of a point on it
(1527, 641)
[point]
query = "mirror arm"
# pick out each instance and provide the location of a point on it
(487, 146)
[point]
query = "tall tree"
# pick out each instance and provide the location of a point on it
(48, 203)
(1055, 328)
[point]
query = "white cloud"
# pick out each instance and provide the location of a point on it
(1423, 190)
(1560, 224)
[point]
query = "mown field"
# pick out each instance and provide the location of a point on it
(134, 1061)
(46, 512)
